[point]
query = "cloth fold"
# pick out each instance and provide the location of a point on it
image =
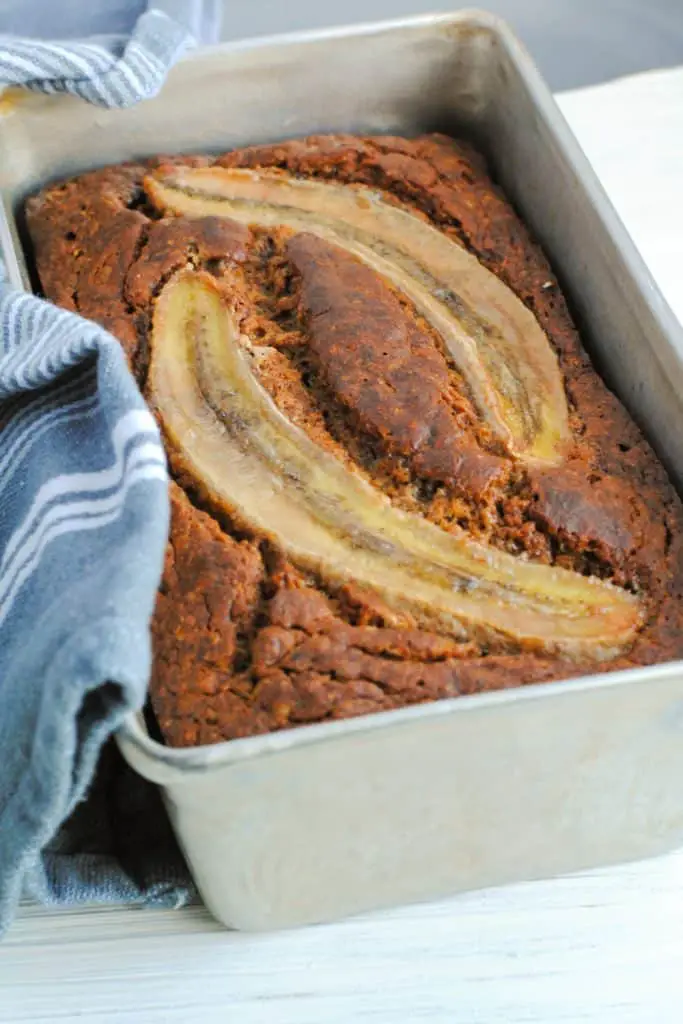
(83, 527)
(109, 72)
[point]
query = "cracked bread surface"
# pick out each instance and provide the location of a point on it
(245, 641)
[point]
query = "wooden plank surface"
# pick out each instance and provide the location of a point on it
(604, 947)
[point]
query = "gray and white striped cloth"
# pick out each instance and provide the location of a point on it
(108, 70)
(83, 525)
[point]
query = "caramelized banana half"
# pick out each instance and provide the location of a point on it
(273, 480)
(493, 339)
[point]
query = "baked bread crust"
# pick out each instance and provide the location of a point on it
(244, 641)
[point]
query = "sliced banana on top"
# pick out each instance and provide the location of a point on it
(275, 481)
(492, 338)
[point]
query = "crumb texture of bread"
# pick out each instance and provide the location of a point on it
(245, 640)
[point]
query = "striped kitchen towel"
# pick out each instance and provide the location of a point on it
(83, 526)
(108, 69)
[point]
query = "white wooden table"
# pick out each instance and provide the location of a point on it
(604, 947)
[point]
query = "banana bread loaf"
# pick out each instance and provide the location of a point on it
(397, 476)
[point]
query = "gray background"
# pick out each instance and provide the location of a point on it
(574, 42)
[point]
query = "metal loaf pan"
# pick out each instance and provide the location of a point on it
(320, 822)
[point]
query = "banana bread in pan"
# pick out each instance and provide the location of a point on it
(396, 475)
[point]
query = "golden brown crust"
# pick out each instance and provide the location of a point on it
(385, 369)
(244, 642)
